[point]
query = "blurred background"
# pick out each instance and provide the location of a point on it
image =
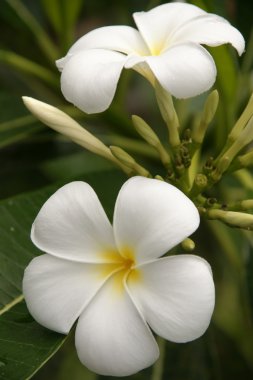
(36, 33)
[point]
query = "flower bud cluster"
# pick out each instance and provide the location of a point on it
(181, 157)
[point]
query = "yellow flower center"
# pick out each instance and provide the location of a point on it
(122, 267)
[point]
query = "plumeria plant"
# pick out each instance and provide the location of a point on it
(126, 285)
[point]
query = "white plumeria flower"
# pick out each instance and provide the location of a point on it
(110, 277)
(166, 47)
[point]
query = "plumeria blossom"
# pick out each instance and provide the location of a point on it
(111, 278)
(166, 47)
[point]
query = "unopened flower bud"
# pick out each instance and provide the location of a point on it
(242, 121)
(150, 136)
(210, 108)
(129, 161)
(232, 218)
(188, 245)
(199, 184)
(64, 124)
(168, 113)
(245, 138)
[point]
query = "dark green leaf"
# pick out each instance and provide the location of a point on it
(24, 345)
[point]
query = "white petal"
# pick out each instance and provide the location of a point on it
(151, 217)
(56, 290)
(159, 23)
(176, 296)
(117, 37)
(211, 30)
(89, 78)
(73, 225)
(185, 70)
(111, 336)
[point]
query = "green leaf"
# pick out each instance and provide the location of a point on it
(63, 15)
(74, 165)
(25, 65)
(46, 44)
(24, 345)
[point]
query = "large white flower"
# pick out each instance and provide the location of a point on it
(166, 47)
(111, 278)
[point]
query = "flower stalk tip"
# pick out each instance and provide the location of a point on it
(199, 184)
(242, 121)
(207, 116)
(128, 161)
(147, 133)
(232, 218)
(169, 114)
(64, 124)
(188, 245)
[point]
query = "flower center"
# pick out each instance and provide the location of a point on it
(122, 266)
(156, 49)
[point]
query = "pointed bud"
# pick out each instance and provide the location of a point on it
(246, 160)
(210, 107)
(64, 124)
(168, 112)
(222, 166)
(242, 121)
(209, 111)
(129, 161)
(245, 138)
(145, 130)
(150, 136)
(232, 218)
(159, 177)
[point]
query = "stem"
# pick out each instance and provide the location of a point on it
(157, 373)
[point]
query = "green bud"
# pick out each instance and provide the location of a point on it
(188, 245)
(244, 205)
(129, 161)
(247, 204)
(243, 119)
(221, 166)
(145, 130)
(200, 181)
(199, 184)
(232, 218)
(245, 138)
(150, 136)
(210, 107)
(246, 159)
(209, 111)
(168, 112)
(159, 178)
(64, 124)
